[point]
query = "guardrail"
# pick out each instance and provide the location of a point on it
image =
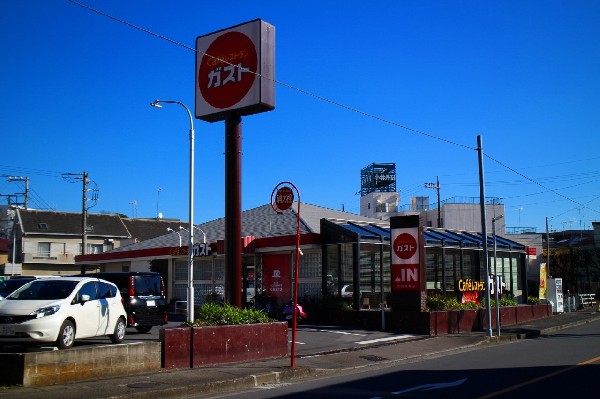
(587, 300)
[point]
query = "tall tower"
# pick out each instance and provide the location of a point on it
(378, 196)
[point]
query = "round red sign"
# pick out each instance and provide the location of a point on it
(405, 246)
(284, 198)
(228, 69)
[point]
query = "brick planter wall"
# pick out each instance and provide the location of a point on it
(185, 347)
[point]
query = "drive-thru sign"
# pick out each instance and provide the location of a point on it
(405, 265)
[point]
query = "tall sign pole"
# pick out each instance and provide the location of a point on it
(486, 262)
(282, 199)
(235, 75)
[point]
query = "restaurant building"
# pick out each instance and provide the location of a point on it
(342, 254)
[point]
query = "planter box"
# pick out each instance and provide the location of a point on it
(185, 347)
(524, 313)
(468, 320)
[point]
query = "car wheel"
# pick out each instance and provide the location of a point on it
(143, 329)
(119, 334)
(66, 335)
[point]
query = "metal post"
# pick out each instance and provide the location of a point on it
(14, 230)
(233, 210)
(496, 278)
(438, 201)
(484, 236)
(190, 289)
(547, 248)
(84, 219)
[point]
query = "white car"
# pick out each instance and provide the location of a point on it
(62, 309)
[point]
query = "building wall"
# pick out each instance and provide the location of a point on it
(379, 205)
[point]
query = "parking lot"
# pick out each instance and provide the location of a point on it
(310, 339)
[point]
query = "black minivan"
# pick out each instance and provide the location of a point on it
(144, 297)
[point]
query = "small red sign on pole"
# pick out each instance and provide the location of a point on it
(284, 199)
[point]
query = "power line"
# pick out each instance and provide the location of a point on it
(287, 85)
(332, 102)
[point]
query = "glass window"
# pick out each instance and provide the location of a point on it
(88, 288)
(43, 249)
(181, 270)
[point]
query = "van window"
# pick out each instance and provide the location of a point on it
(147, 285)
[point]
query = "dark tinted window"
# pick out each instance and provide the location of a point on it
(88, 288)
(45, 289)
(8, 286)
(147, 285)
(106, 290)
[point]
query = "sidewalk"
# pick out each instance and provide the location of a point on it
(214, 380)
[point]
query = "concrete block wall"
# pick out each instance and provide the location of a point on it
(80, 363)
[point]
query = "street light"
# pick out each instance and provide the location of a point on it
(173, 231)
(190, 298)
(197, 228)
(496, 279)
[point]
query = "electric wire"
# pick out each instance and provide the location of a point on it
(337, 104)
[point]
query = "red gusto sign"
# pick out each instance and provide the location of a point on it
(235, 71)
(284, 198)
(227, 70)
(405, 246)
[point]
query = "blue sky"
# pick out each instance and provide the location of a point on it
(406, 82)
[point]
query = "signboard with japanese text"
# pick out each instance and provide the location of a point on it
(405, 254)
(235, 71)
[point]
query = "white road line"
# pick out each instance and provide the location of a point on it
(336, 332)
(395, 338)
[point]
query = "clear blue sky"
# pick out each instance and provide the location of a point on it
(76, 88)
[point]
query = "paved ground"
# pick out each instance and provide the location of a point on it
(213, 380)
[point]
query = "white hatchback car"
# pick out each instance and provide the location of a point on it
(61, 310)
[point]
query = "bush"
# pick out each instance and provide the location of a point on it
(441, 302)
(531, 300)
(212, 314)
(502, 302)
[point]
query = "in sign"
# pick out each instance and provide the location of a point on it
(284, 198)
(405, 246)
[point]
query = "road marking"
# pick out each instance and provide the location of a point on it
(431, 387)
(538, 379)
(297, 343)
(335, 332)
(386, 339)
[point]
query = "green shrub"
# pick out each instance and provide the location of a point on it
(502, 302)
(212, 314)
(532, 300)
(441, 302)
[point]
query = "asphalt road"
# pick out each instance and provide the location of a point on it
(563, 365)
(310, 339)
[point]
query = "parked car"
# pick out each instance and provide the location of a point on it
(7, 287)
(144, 297)
(61, 310)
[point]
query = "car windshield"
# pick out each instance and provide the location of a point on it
(45, 289)
(147, 285)
(8, 286)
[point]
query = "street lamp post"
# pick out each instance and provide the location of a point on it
(190, 298)
(173, 231)
(496, 278)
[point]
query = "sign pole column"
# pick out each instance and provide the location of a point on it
(233, 210)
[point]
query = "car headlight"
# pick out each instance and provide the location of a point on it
(46, 311)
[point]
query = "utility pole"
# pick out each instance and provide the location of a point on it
(484, 236)
(25, 194)
(85, 181)
(83, 178)
(436, 186)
